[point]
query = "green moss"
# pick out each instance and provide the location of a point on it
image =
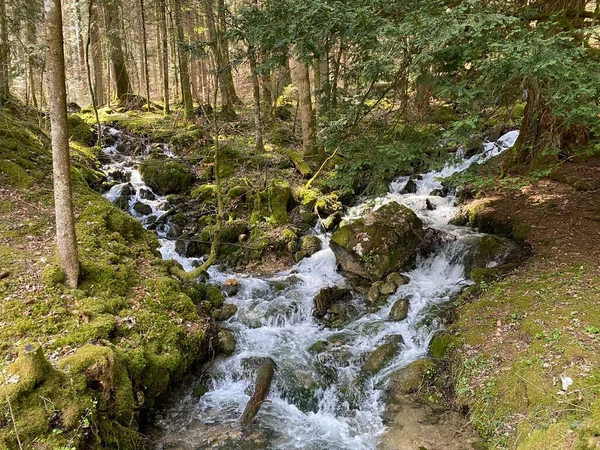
(439, 345)
(280, 196)
(205, 193)
(53, 275)
(15, 175)
(79, 130)
(166, 177)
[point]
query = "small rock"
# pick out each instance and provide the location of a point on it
(380, 357)
(231, 287)
(311, 244)
(147, 194)
(400, 310)
(429, 205)
(225, 342)
(410, 188)
(300, 255)
(142, 208)
(332, 221)
(409, 379)
(398, 279)
(328, 297)
(388, 288)
(225, 313)
(438, 193)
(374, 294)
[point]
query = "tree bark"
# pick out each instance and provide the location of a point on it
(164, 54)
(96, 46)
(122, 83)
(145, 51)
(184, 71)
(258, 135)
(63, 202)
(4, 55)
(300, 76)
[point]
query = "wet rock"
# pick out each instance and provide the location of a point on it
(286, 283)
(318, 347)
(301, 390)
(225, 313)
(410, 188)
(381, 357)
(174, 231)
(122, 201)
(388, 288)
(146, 194)
(409, 379)
(231, 287)
(225, 342)
(430, 205)
(439, 193)
(375, 295)
(311, 244)
(142, 208)
(119, 175)
(251, 364)
(398, 279)
(382, 242)
(328, 297)
(332, 221)
(299, 255)
(400, 309)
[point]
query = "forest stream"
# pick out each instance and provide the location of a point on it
(320, 397)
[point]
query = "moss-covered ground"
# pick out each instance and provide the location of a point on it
(524, 349)
(112, 346)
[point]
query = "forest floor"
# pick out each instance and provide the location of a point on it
(525, 348)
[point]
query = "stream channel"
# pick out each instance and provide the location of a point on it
(318, 400)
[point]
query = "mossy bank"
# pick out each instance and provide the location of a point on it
(80, 368)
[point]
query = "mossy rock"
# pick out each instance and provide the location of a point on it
(381, 356)
(206, 193)
(226, 342)
(280, 198)
(299, 163)
(166, 177)
(400, 310)
(439, 345)
(230, 231)
(380, 243)
(409, 379)
(311, 244)
(79, 130)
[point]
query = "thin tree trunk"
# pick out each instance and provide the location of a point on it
(93, 94)
(145, 48)
(164, 54)
(123, 85)
(258, 135)
(184, 72)
(96, 46)
(174, 54)
(300, 76)
(318, 88)
(63, 202)
(4, 55)
(226, 68)
(267, 95)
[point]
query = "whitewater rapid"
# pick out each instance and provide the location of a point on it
(318, 400)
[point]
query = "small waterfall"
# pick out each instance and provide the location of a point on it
(318, 401)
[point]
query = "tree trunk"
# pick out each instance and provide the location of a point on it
(96, 44)
(122, 83)
(264, 377)
(145, 52)
(164, 54)
(267, 96)
(301, 79)
(63, 202)
(226, 66)
(258, 135)
(318, 88)
(221, 61)
(184, 71)
(4, 55)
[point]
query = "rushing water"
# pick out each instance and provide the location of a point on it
(317, 401)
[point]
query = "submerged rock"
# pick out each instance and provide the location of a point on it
(122, 201)
(142, 208)
(328, 297)
(382, 242)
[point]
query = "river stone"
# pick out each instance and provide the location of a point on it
(410, 188)
(398, 279)
(146, 194)
(379, 243)
(332, 221)
(166, 177)
(122, 201)
(142, 208)
(119, 175)
(400, 310)
(329, 296)
(311, 244)
(225, 313)
(409, 379)
(231, 287)
(225, 342)
(380, 357)
(438, 193)
(388, 288)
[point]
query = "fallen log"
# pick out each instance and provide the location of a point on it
(264, 376)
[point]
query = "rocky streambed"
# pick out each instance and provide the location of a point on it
(338, 325)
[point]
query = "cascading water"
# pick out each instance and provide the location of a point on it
(319, 400)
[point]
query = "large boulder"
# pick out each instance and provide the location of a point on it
(380, 243)
(166, 177)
